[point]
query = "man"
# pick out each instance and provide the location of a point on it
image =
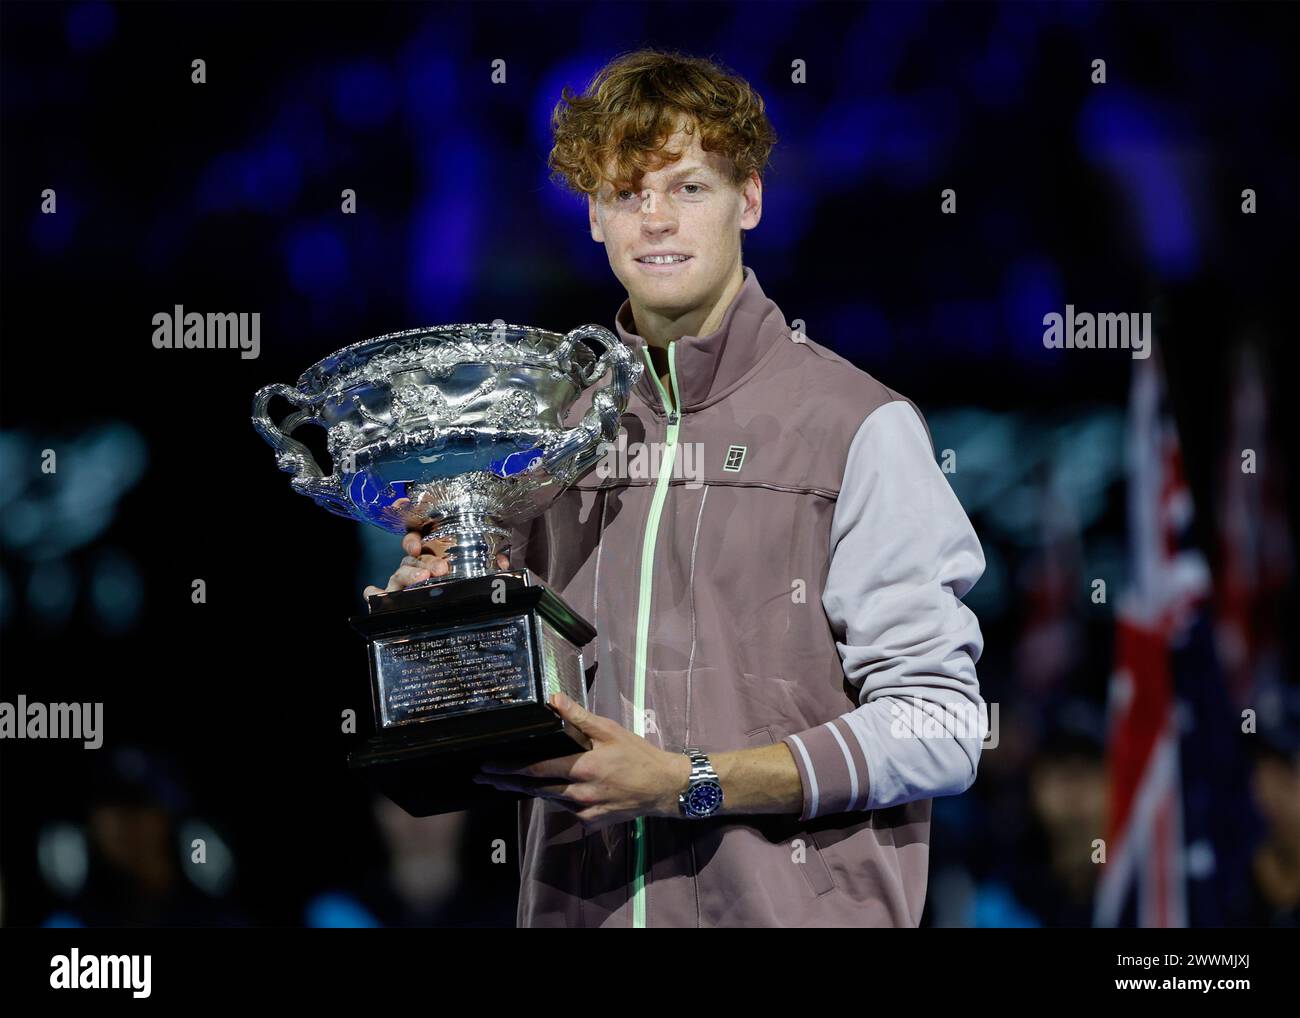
(782, 653)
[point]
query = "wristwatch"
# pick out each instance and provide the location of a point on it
(703, 795)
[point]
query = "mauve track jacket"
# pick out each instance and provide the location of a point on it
(781, 560)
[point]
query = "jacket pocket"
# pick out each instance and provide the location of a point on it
(814, 867)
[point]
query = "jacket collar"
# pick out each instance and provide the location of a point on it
(709, 367)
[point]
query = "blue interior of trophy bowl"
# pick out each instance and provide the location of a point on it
(451, 455)
(470, 470)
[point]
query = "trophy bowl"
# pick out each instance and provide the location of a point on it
(457, 431)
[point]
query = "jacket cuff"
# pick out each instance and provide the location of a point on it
(832, 767)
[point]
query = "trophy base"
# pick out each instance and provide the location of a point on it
(461, 672)
(430, 781)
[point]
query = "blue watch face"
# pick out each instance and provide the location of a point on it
(704, 799)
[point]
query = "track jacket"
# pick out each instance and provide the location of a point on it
(780, 560)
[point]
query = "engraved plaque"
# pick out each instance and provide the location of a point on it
(444, 672)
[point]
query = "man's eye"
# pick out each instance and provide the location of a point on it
(624, 195)
(700, 188)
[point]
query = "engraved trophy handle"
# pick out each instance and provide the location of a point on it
(292, 456)
(579, 447)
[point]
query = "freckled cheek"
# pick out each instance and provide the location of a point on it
(715, 224)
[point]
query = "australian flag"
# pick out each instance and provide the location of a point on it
(1178, 821)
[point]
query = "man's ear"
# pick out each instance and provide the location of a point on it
(597, 234)
(752, 193)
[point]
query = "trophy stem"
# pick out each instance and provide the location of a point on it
(476, 540)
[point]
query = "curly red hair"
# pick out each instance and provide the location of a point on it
(637, 102)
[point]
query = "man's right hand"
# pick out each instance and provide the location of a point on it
(422, 562)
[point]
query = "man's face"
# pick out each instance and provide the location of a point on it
(687, 208)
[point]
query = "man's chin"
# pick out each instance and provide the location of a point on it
(668, 298)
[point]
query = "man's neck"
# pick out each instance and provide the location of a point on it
(659, 331)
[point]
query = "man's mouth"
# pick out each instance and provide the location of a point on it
(663, 259)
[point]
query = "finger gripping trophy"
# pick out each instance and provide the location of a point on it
(458, 431)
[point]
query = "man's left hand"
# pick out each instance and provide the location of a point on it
(620, 778)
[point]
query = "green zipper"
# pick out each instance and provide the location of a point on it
(643, 606)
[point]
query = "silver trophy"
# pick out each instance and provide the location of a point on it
(458, 431)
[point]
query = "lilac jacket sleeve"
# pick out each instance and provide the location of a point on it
(903, 554)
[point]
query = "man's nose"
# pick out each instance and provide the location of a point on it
(657, 214)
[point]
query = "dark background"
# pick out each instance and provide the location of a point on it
(225, 196)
